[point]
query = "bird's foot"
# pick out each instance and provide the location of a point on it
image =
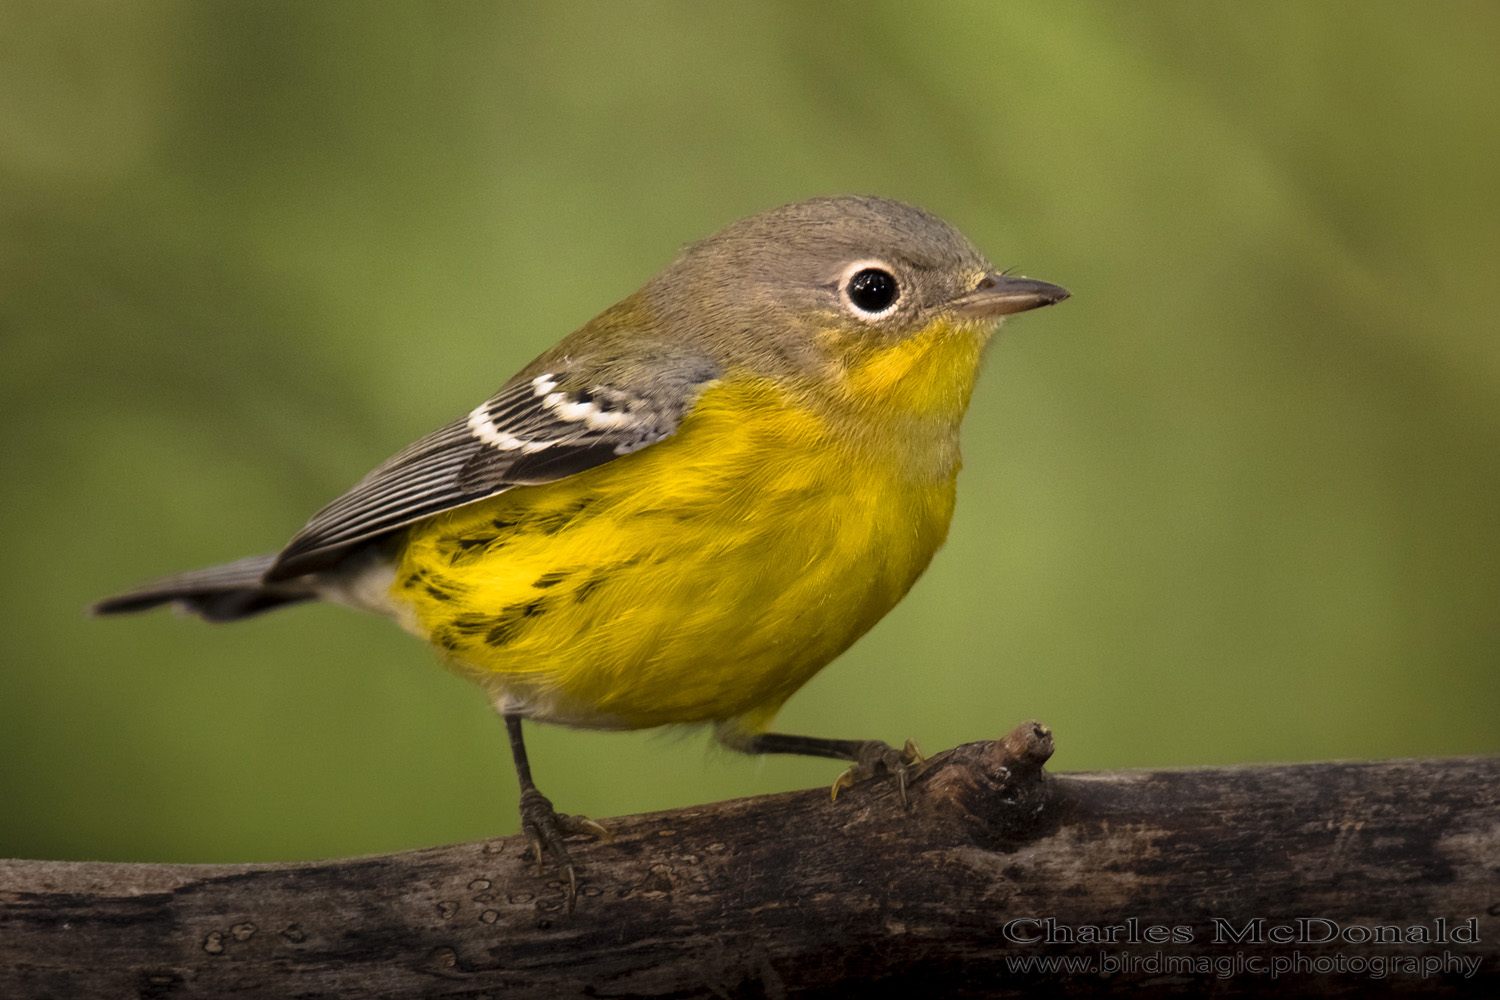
(877, 757)
(545, 829)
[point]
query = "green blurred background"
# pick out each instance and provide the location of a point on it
(1235, 501)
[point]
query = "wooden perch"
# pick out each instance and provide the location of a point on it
(1320, 879)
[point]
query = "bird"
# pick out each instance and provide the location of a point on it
(687, 507)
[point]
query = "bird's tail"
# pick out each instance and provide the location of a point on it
(217, 594)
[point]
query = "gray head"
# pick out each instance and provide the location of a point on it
(846, 269)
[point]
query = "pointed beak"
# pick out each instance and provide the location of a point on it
(1001, 294)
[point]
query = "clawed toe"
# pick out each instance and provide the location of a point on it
(545, 830)
(876, 757)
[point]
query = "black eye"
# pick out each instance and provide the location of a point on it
(872, 290)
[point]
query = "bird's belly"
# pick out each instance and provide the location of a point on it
(705, 578)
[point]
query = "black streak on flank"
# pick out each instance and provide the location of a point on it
(438, 595)
(551, 579)
(587, 587)
(509, 622)
(468, 550)
(471, 624)
(553, 522)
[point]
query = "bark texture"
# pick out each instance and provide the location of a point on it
(1185, 880)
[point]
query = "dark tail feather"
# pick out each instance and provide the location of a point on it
(216, 594)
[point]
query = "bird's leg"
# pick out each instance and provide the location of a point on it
(870, 757)
(543, 826)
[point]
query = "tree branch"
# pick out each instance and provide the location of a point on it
(1192, 876)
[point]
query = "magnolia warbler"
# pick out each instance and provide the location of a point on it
(687, 507)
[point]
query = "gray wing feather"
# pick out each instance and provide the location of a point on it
(536, 429)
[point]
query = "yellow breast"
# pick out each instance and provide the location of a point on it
(704, 578)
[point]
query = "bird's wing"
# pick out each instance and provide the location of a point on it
(537, 429)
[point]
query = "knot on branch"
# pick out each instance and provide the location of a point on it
(996, 790)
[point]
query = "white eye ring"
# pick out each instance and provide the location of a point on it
(852, 271)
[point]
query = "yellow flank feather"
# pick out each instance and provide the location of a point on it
(706, 578)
